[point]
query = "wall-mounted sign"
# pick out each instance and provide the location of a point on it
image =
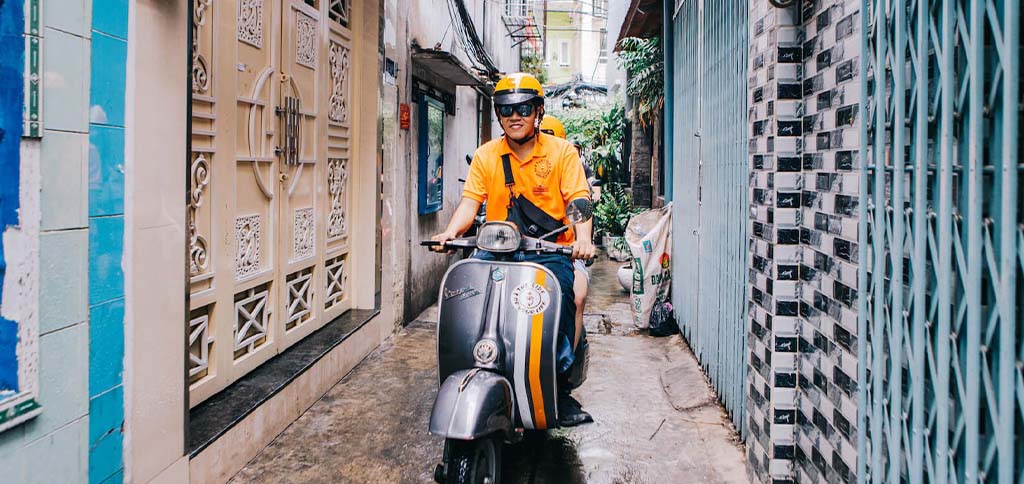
(404, 116)
(430, 127)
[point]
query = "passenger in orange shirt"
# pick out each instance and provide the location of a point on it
(551, 125)
(547, 172)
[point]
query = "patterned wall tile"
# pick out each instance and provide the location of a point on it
(826, 432)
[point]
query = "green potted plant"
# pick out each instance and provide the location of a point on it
(611, 214)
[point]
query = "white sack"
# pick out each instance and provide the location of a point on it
(649, 236)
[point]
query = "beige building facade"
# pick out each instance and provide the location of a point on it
(576, 41)
(267, 234)
(286, 221)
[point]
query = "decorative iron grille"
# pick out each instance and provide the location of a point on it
(943, 242)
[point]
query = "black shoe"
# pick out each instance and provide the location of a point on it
(571, 413)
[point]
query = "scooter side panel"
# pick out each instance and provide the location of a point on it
(525, 297)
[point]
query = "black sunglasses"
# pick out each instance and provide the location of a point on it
(524, 109)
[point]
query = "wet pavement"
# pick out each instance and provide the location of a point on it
(656, 418)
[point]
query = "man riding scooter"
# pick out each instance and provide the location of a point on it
(541, 174)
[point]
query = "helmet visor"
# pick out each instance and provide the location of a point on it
(513, 97)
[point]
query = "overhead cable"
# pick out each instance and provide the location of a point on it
(466, 34)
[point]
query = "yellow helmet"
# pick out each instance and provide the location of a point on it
(517, 88)
(551, 125)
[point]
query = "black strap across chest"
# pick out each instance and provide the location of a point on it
(510, 181)
(507, 166)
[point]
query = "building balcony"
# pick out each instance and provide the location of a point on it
(520, 18)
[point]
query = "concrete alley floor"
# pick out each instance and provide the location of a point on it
(656, 418)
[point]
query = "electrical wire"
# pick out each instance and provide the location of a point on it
(468, 38)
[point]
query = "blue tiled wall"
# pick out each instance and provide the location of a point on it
(55, 445)
(106, 235)
(12, 65)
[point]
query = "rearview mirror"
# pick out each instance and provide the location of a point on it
(579, 210)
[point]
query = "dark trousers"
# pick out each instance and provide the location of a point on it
(561, 267)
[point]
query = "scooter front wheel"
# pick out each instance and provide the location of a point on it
(473, 461)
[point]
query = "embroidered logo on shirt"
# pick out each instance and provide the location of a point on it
(542, 168)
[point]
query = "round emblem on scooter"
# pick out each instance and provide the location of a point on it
(531, 298)
(485, 351)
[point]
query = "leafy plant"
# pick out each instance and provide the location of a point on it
(533, 64)
(605, 155)
(645, 68)
(600, 133)
(613, 210)
(579, 123)
(604, 159)
(620, 245)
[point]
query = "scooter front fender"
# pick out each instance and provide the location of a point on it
(471, 404)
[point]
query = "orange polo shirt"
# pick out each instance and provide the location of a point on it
(550, 177)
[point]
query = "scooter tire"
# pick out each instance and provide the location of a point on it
(473, 461)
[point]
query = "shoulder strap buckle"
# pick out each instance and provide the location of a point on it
(510, 181)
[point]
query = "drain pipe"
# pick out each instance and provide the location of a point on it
(668, 132)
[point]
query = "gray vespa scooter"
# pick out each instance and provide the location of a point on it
(497, 338)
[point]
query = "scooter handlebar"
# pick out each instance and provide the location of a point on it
(451, 244)
(463, 243)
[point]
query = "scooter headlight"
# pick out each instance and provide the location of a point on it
(498, 237)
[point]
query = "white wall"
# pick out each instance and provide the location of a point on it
(154, 258)
(615, 77)
(427, 23)
(589, 43)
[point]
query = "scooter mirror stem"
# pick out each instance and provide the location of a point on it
(555, 232)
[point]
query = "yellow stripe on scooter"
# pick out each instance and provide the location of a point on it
(536, 347)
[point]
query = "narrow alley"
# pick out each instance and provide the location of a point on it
(656, 418)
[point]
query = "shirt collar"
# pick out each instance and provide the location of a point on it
(538, 144)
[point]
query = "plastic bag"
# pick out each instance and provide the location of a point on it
(649, 236)
(663, 320)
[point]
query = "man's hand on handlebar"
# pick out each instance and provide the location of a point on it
(441, 239)
(583, 249)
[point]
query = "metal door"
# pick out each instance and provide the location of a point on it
(712, 192)
(270, 194)
(686, 156)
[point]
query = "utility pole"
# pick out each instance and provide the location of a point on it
(544, 35)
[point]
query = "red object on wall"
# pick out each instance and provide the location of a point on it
(404, 117)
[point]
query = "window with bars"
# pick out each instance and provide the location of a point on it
(340, 12)
(518, 8)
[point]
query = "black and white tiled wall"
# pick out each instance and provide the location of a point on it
(804, 98)
(775, 117)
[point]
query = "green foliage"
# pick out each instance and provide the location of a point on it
(613, 210)
(645, 68)
(533, 64)
(600, 133)
(619, 244)
(605, 154)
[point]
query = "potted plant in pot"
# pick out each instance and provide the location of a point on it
(611, 214)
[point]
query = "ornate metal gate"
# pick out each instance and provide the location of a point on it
(268, 212)
(940, 316)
